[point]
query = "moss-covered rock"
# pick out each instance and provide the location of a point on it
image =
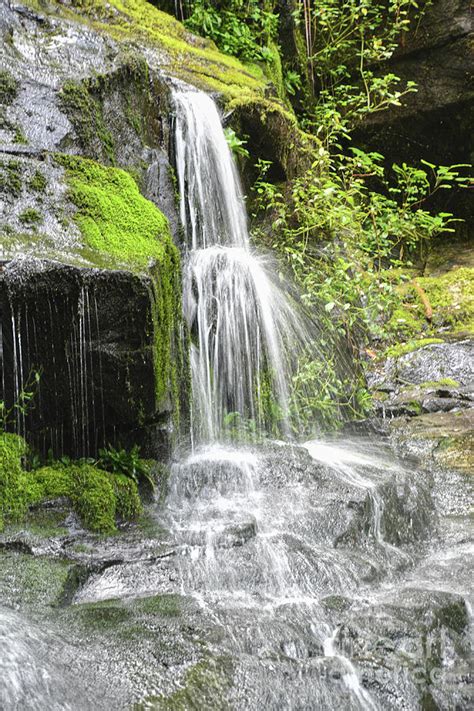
(446, 438)
(98, 497)
(113, 216)
(273, 134)
(185, 55)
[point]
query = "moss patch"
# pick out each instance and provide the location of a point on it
(98, 497)
(162, 605)
(41, 580)
(11, 179)
(403, 348)
(38, 182)
(85, 112)
(8, 87)
(452, 297)
(205, 686)
(114, 218)
(30, 217)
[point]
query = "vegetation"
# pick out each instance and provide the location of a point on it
(243, 28)
(351, 227)
(113, 216)
(8, 87)
(100, 498)
(38, 182)
(11, 178)
(30, 217)
(128, 463)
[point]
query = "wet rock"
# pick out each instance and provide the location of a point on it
(438, 361)
(428, 397)
(94, 352)
(430, 364)
(434, 121)
(447, 438)
(94, 99)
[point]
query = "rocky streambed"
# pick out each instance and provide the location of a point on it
(335, 571)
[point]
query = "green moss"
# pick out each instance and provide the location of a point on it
(205, 686)
(13, 490)
(403, 348)
(8, 87)
(103, 616)
(114, 218)
(94, 498)
(84, 109)
(30, 217)
(128, 505)
(295, 149)
(162, 605)
(11, 177)
(97, 496)
(444, 382)
(38, 182)
(406, 322)
(32, 581)
(451, 296)
(19, 137)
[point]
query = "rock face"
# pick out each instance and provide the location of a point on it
(435, 122)
(92, 324)
(426, 398)
(89, 334)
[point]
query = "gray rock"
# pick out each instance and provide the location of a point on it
(436, 362)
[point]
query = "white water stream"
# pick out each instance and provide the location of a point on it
(246, 333)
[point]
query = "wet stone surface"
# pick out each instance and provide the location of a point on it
(330, 574)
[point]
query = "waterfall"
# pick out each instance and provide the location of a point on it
(246, 334)
(242, 549)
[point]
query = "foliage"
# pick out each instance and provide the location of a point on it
(349, 245)
(24, 401)
(345, 43)
(243, 28)
(128, 463)
(236, 144)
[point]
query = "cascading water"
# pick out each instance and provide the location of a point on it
(246, 334)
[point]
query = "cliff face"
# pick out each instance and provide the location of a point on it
(90, 286)
(435, 123)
